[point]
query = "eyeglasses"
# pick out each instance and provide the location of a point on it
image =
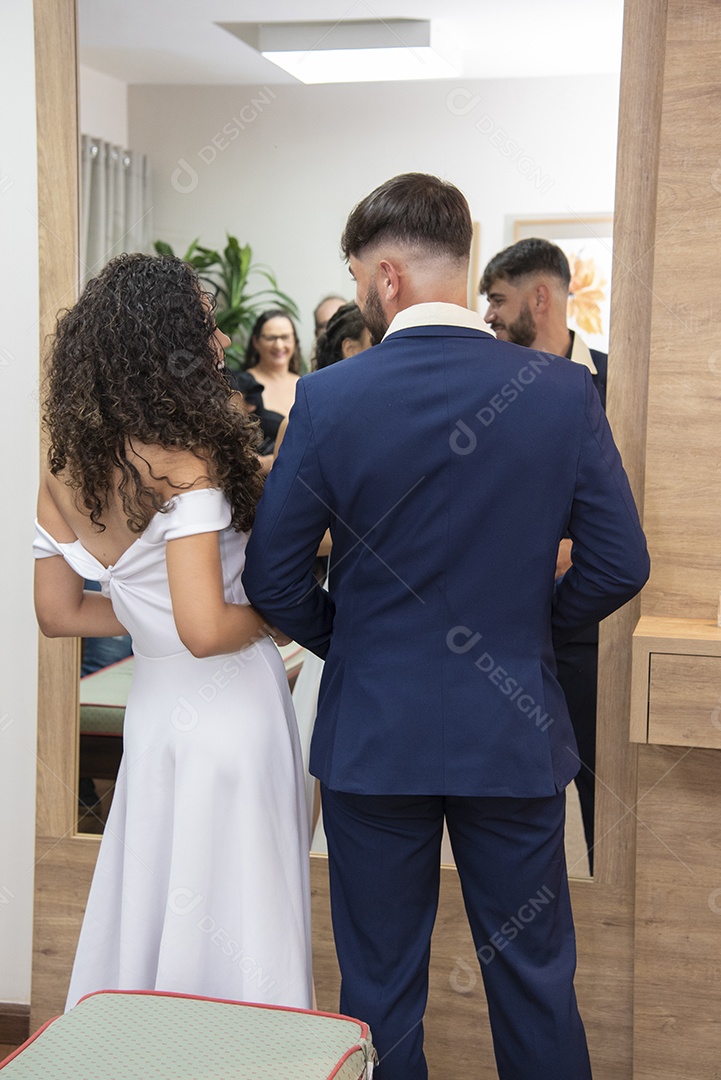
(284, 339)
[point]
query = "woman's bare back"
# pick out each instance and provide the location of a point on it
(163, 470)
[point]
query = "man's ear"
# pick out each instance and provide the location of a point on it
(389, 280)
(541, 298)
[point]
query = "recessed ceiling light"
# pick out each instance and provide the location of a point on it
(377, 50)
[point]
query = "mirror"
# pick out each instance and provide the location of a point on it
(279, 164)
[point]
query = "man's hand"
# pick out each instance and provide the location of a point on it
(564, 560)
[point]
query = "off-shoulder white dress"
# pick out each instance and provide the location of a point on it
(201, 885)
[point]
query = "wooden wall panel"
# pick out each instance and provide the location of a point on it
(633, 268)
(683, 508)
(603, 908)
(677, 1012)
(63, 861)
(58, 231)
(677, 1002)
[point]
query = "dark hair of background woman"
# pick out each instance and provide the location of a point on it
(251, 353)
(134, 362)
(347, 322)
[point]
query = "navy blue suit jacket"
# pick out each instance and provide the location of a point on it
(448, 466)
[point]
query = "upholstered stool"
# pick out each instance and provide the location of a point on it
(117, 1035)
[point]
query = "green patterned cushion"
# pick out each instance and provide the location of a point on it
(103, 696)
(120, 1036)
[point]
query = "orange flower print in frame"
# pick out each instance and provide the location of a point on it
(588, 245)
(586, 293)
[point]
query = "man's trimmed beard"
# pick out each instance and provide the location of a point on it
(375, 317)
(522, 331)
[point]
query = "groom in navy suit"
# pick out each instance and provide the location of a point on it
(448, 466)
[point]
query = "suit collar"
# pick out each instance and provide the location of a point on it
(435, 314)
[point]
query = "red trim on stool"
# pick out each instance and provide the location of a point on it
(228, 1001)
(341, 1063)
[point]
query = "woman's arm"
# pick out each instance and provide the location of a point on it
(280, 436)
(207, 625)
(62, 607)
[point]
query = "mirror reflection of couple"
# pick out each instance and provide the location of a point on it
(444, 553)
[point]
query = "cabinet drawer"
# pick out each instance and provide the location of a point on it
(684, 700)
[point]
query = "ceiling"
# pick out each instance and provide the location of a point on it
(178, 41)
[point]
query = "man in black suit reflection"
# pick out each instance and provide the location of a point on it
(527, 286)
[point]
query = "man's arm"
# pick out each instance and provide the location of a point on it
(610, 559)
(292, 518)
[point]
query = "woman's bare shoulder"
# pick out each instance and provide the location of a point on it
(55, 506)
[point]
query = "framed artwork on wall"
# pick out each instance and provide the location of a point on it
(588, 244)
(474, 271)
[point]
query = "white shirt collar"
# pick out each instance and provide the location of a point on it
(436, 314)
(581, 354)
(441, 314)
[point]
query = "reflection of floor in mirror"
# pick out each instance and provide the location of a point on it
(91, 819)
(576, 855)
(576, 850)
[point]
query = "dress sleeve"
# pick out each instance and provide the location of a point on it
(44, 545)
(199, 511)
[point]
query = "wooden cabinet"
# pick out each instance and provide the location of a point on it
(676, 683)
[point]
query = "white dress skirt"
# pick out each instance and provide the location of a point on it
(201, 884)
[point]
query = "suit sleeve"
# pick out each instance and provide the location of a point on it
(610, 559)
(292, 517)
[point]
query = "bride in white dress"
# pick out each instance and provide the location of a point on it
(201, 885)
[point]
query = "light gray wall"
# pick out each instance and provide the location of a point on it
(18, 486)
(103, 103)
(281, 166)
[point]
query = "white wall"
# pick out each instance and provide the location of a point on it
(289, 162)
(103, 107)
(18, 485)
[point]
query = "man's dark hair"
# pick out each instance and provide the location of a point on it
(416, 209)
(348, 322)
(531, 256)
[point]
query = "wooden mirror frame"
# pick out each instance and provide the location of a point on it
(603, 906)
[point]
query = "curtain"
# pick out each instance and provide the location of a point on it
(115, 204)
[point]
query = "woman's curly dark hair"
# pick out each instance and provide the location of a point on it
(252, 356)
(347, 322)
(135, 359)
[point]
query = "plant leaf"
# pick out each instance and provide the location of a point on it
(189, 253)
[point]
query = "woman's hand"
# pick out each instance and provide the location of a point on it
(279, 637)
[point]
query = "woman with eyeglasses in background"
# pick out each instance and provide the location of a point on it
(273, 356)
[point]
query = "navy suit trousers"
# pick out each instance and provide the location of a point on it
(384, 854)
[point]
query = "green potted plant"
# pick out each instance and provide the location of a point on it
(228, 274)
